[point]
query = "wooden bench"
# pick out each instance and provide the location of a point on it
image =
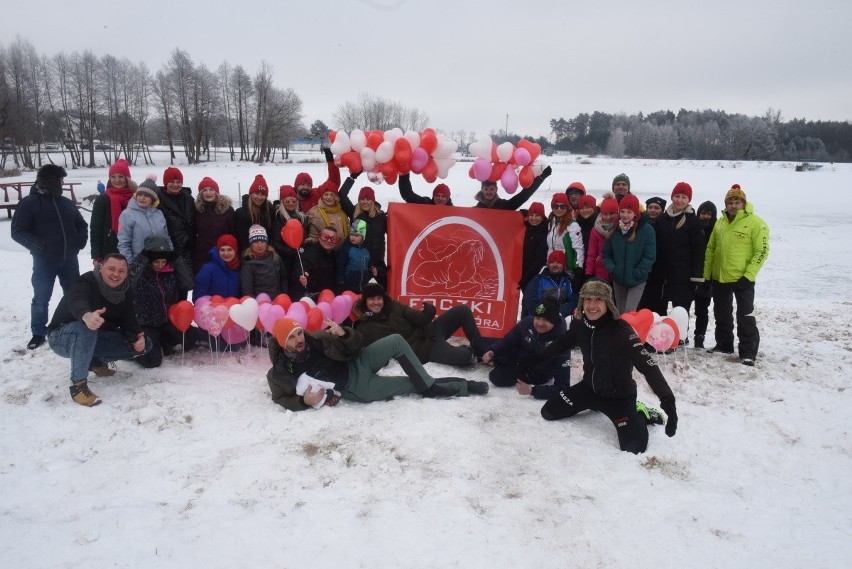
(10, 205)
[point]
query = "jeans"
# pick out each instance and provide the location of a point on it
(74, 340)
(44, 276)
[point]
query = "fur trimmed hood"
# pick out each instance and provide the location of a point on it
(222, 204)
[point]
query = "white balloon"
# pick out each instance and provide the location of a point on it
(444, 165)
(309, 300)
(481, 148)
(446, 147)
(393, 134)
(245, 313)
(504, 151)
(384, 152)
(358, 140)
(413, 139)
(368, 158)
(341, 144)
(681, 318)
(537, 167)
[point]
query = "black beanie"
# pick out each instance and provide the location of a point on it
(657, 200)
(372, 289)
(49, 178)
(549, 310)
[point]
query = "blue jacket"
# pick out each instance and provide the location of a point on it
(135, 224)
(545, 284)
(353, 266)
(523, 340)
(216, 278)
(49, 227)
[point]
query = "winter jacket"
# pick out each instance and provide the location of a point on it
(737, 248)
(153, 292)
(377, 228)
(353, 267)
(321, 216)
(544, 284)
(321, 266)
(397, 318)
(332, 182)
(50, 227)
(406, 192)
(263, 274)
(594, 258)
(586, 227)
(85, 296)
(212, 220)
(179, 210)
(629, 258)
(611, 349)
(326, 358)
(569, 241)
(289, 256)
(103, 239)
(680, 245)
(518, 199)
(523, 340)
(216, 278)
(535, 251)
(243, 220)
(135, 224)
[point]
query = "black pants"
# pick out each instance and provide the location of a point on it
(723, 312)
(445, 326)
(163, 338)
(702, 314)
(631, 428)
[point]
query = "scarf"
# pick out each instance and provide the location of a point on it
(112, 295)
(118, 198)
(625, 227)
(481, 199)
(604, 229)
(234, 263)
(325, 211)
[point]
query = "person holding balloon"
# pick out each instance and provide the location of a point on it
(370, 212)
(287, 211)
(156, 289)
(487, 195)
(441, 194)
(309, 196)
(610, 349)
(317, 266)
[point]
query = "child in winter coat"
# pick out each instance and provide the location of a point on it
(354, 269)
(221, 274)
(604, 226)
(629, 254)
(140, 220)
(553, 281)
(262, 270)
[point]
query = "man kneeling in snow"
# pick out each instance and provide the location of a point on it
(336, 356)
(610, 350)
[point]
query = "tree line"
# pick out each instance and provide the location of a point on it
(704, 135)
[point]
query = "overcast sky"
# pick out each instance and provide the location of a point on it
(469, 64)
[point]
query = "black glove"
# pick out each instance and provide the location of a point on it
(354, 175)
(429, 310)
(546, 172)
(329, 157)
(742, 284)
(668, 406)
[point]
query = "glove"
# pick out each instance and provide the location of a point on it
(354, 175)
(546, 172)
(668, 406)
(742, 284)
(429, 310)
(329, 157)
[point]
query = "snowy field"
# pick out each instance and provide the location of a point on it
(193, 466)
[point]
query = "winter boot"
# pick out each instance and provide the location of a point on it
(699, 340)
(651, 415)
(35, 342)
(721, 349)
(102, 368)
(81, 394)
(441, 389)
(477, 387)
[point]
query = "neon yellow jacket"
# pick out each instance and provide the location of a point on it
(737, 248)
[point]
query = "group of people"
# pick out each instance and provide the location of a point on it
(151, 245)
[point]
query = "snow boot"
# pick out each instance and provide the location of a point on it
(477, 387)
(651, 415)
(102, 368)
(35, 342)
(699, 341)
(81, 394)
(721, 349)
(441, 389)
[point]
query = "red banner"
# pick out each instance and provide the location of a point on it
(457, 255)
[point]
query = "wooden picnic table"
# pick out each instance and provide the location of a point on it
(10, 204)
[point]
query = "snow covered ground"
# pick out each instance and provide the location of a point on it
(193, 466)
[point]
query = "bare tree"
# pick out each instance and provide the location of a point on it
(370, 112)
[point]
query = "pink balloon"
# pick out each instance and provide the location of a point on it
(419, 159)
(218, 317)
(661, 336)
(509, 180)
(269, 314)
(235, 335)
(263, 297)
(298, 313)
(522, 156)
(481, 169)
(341, 306)
(325, 308)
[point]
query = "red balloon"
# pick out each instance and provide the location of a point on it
(332, 134)
(352, 161)
(315, 319)
(229, 302)
(640, 321)
(391, 180)
(375, 138)
(293, 233)
(325, 295)
(531, 147)
(471, 173)
(216, 299)
(676, 330)
(494, 157)
(283, 301)
(526, 177)
(430, 171)
(181, 314)
(402, 155)
(389, 169)
(428, 141)
(497, 171)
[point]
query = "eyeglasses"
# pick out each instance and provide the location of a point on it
(559, 206)
(331, 239)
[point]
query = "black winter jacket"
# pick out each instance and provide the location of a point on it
(85, 296)
(179, 211)
(48, 226)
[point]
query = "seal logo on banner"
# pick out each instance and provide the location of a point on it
(454, 260)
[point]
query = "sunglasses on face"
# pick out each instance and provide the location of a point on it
(559, 206)
(332, 239)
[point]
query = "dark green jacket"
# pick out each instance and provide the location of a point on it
(397, 318)
(629, 258)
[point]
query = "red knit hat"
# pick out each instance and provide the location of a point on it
(227, 240)
(577, 186)
(609, 205)
(259, 186)
(303, 178)
(559, 198)
(286, 191)
(208, 182)
(682, 188)
(557, 257)
(537, 208)
(367, 193)
(587, 201)
(170, 174)
(441, 190)
(631, 202)
(120, 166)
